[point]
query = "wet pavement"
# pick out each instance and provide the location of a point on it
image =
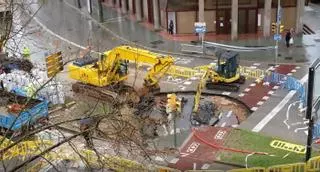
(68, 22)
(84, 29)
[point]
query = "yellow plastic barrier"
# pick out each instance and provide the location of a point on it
(254, 169)
(204, 67)
(178, 71)
(252, 73)
(313, 165)
(113, 162)
(297, 167)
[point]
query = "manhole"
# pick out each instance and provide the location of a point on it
(156, 42)
(288, 58)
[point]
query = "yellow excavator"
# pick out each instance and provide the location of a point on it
(225, 76)
(104, 78)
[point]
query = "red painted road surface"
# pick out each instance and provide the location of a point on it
(197, 151)
(259, 91)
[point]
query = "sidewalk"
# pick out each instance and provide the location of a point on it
(304, 50)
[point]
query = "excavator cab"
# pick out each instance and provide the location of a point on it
(225, 75)
(227, 64)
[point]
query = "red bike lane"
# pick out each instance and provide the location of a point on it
(198, 149)
(255, 95)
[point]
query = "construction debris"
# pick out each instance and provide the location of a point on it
(9, 64)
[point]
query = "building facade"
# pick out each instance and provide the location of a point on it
(221, 16)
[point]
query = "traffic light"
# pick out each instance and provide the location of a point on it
(54, 64)
(171, 102)
(274, 28)
(281, 28)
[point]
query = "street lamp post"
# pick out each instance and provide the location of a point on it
(309, 111)
(277, 32)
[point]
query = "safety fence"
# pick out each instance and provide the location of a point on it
(29, 148)
(185, 72)
(26, 149)
(287, 82)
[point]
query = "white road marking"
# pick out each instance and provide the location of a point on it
(226, 93)
(271, 68)
(223, 124)
(254, 108)
(241, 95)
(293, 71)
(298, 67)
(260, 103)
(177, 131)
(256, 64)
(306, 132)
(270, 92)
(289, 74)
(265, 97)
(182, 154)
(174, 160)
(287, 113)
(205, 166)
(229, 114)
(158, 158)
(302, 128)
(253, 85)
(266, 83)
(286, 155)
(275, 87)
(275, 111)
(247, 90)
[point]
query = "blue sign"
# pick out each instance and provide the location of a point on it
(316, 131)
(277, 37)
(200, 29)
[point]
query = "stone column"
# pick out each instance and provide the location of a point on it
(234, 20)
(300, 11)
(201, 11)
(89, 5)
(124, 6)
(138, 10)
(156, 14)
(118, 3)
(100, 10)
(267, 18)
(131, 6)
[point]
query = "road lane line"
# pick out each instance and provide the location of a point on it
(277, 109)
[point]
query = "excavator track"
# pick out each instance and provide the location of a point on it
(233, 87)
(120, 94)
(222, 87)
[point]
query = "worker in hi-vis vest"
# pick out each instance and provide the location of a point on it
(26, 53)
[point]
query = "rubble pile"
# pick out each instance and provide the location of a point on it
(29, 83)
(9, 64)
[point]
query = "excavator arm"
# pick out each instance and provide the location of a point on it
(160, 64)
(200, 87)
